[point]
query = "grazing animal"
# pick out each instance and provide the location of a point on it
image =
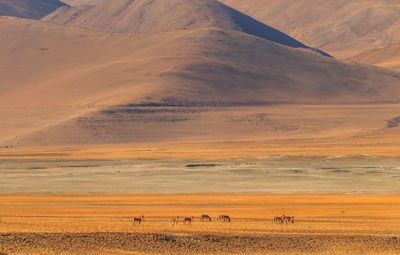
(224, 218)
(205, 218)
(284, 219)
(188, 220)
(289, 220)
(138, 220)
(175, 221)
(278, 219)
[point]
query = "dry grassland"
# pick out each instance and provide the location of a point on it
(101, 224)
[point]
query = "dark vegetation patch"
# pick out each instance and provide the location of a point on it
(244, 164)
(340, 171)
(148, 110)
(393, 123)
(296, 171)
(201, 165)
(79, 166)
(130, 115)
(37, 168)
(373, 172)
(172, 102)
(259, 120)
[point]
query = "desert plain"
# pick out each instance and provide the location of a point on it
(102, 224)
(334, 168)
(70, 201)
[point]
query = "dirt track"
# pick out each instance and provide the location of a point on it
(134, 243)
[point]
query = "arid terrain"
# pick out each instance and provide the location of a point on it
(102, 224)
(280, 116)
(344, 175)
(328, 196)
(364, 31)
(206, 54)
(207, 132)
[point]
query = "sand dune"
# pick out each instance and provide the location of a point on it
(32, 9)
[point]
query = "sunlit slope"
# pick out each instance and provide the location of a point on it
(180, 59)
(388, 57)
(141, 16)
(342, 28)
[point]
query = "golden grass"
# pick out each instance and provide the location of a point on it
(384, 146)
(101, 224)
(252, 214)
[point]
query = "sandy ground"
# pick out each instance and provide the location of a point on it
(101, 224)
(127, 243)
(374, 175)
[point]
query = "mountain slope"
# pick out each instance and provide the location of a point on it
(140, 16)
(388, 57)
(65, 77)
(342, 28)
(31, 9)
(82, 2)
(66, 72)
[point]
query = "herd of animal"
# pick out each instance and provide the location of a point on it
(284, 219)
(206, 218)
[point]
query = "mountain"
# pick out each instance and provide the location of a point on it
(128, 16)
(62, 79)
(342, 28)
(82, 2)
(30, 9)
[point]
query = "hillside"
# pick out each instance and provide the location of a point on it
(128, 16)
(344, 29)
(82, 2)
(341, 28)
(30, 9)
(388, 57)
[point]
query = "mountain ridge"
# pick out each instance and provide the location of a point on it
(30, 9)
(342, 28)
(128, 16)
